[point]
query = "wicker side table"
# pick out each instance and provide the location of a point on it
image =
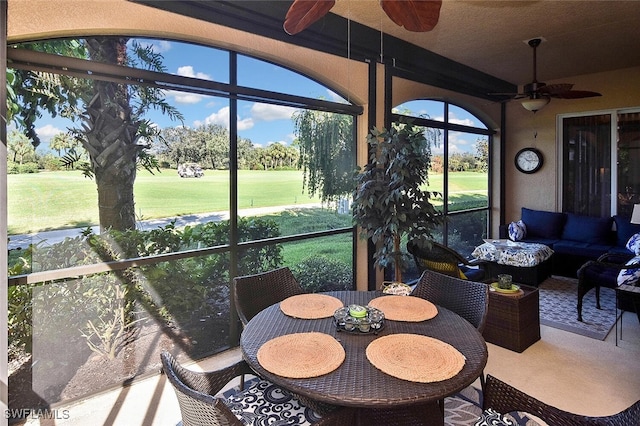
(513, 321)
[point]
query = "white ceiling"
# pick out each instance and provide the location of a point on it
(582, 37)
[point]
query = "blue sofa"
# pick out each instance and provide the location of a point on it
(575, 239)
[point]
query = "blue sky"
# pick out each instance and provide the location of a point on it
(263, 124)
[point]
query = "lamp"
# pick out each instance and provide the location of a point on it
(535, 103)
(635, 216)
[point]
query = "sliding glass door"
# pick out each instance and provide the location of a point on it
(600, 153)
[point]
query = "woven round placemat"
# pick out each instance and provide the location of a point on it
(301, 355)
(405, 308)
(310, 306)
(415, 358)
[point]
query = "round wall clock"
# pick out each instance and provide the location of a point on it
(528, 160)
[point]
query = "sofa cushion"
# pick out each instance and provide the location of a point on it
(542, 224)
(587, 229)
(576, 248)
(619, 250)
(624, 229)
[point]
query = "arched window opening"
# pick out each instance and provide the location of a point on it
(460, 169)
(145, 175)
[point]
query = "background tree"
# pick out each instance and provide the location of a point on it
(278, 153)
(482, 154)
(62, 142)
(216, 145)
(19, 146)
(246, 154)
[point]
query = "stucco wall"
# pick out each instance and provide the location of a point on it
(619, 89)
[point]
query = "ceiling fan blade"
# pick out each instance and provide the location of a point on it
(575, 94)
(413, 15)
(555, 89)
(303, 13)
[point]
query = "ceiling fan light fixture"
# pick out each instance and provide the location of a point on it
(535, 104)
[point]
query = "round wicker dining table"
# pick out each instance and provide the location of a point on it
(379, 397)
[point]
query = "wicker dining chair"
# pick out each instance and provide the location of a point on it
(502, 398)
(200, 407)
(253, 293)
(447, 261)
(469, 299)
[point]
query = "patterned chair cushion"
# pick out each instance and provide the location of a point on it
(267, 404)
(630, 276)
(491, 417)
(633, 244)
(517, 230)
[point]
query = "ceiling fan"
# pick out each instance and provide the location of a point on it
(537, 94)
(413, 15)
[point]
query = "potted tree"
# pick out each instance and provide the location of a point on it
(389, 200)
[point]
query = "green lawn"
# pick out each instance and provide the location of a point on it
(66, 199)
(55, 200)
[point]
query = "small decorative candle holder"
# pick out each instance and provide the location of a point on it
(359, 319)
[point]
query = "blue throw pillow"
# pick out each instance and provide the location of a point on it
(633, 244)
(624, 229)
(587, 229)
(542, 224)
(630, 276)
(517, 230)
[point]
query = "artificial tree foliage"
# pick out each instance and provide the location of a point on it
(389, 202)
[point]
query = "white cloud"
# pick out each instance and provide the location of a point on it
(268, 112)
(464, 122)
(162, 46)
(47, 132)
(188, 71)
(222, 118)
(290, 137)
(185, 98)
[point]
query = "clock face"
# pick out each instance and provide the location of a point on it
(528, 160)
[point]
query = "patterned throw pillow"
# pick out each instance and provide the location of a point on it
(633, 244)
(265, 403)
(517, 230)
(630, 276)
(491, 417)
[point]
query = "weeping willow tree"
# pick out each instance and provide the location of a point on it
(327, 145)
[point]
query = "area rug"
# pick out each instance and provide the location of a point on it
(558, 308)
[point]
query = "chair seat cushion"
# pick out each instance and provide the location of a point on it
(602, 274)
(490, 417)
(267, 404)
(473, 274)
